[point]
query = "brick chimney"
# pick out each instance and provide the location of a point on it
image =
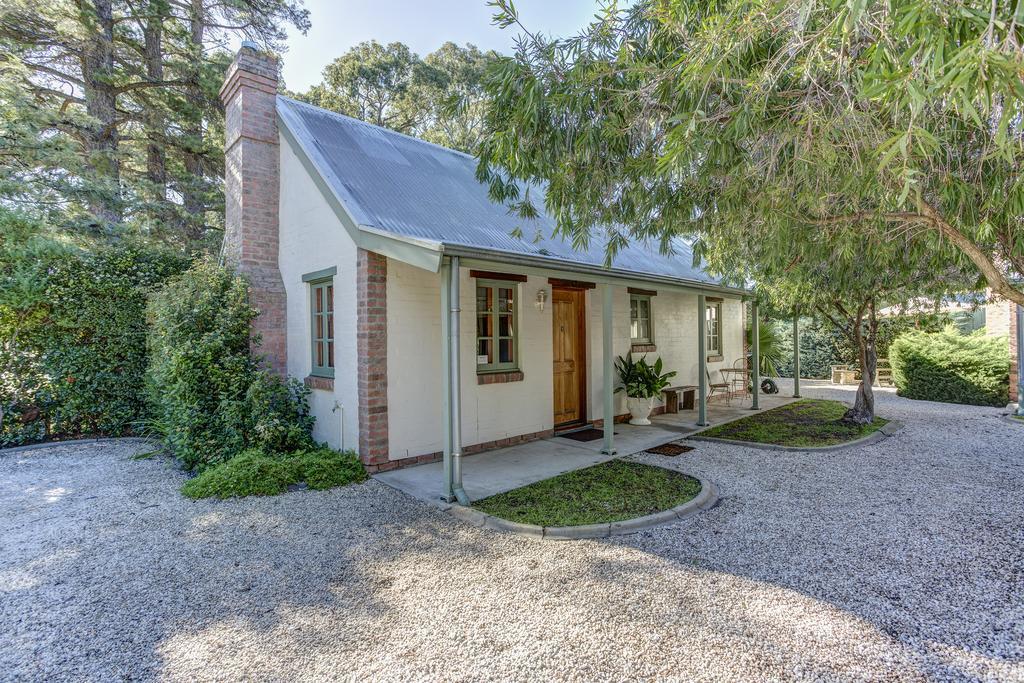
(251, 190)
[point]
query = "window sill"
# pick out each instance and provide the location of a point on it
(499, 377)
(716, 359)
(642, 348)
(321, 383)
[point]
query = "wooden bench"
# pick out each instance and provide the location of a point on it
(883, 373)
(689, 393)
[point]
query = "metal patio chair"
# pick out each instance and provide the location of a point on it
(718, 387)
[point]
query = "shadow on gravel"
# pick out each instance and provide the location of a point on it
(900, 560)
(920, 537)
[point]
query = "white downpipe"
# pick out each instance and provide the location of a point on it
(455, 381)
(447, 494)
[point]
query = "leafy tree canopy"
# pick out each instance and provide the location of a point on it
(109, 117)
(778, 123)
(439, 98)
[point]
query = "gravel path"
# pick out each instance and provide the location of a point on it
(902, 560)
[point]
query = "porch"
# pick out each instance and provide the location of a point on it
(492, 472)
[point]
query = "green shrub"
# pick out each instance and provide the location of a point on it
(211, 399)
(254, 473)
(822, 345)
(73, 333)
(820, 348)
(950, 367)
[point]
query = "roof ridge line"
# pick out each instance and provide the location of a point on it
(389, 131)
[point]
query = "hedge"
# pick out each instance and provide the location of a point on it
(73, 335)
(953, 368)
(210, 398)
(822, 345)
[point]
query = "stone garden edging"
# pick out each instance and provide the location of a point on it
(707, 498)
(883, 432)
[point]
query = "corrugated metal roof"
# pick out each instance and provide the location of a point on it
(415, 189)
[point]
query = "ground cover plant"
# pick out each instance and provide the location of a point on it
(809, 422)
(609, 492)
(254, 473)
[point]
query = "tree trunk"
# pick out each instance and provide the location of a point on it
(156, 159)
(863, 410)
(192, 188)
(101, 135)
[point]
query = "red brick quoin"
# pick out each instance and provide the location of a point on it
(372, 345)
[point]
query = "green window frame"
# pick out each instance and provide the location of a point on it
(321, 314)
(713, 325)
(641, 320)
(497, 325)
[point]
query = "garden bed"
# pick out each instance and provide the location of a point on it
(808, 422)
(609, 492)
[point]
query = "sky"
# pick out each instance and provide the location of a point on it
(423, 25)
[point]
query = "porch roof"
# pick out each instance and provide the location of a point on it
(416, 201)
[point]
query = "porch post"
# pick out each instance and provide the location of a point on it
(796, 354)
(447, 492)
(1020, 359)
(755, 349)
(702, 360)
(454, 398)
(607, 369)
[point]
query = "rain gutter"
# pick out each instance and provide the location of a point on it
(598, 273)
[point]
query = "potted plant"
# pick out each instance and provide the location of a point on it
(642, 383)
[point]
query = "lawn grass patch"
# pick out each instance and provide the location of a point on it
(254, 473)
(808, 422)
(609, 492)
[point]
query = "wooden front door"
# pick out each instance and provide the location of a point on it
(570, 364)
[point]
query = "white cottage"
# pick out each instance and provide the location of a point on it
(389, 281)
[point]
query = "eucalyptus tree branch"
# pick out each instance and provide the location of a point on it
(997, 279)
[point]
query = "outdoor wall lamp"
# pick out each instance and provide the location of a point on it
(542, 297)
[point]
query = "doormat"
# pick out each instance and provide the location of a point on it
(670, 449)
(585, 435)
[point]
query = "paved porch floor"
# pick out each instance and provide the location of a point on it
(485, 474)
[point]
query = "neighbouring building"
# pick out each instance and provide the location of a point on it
(1001, 320)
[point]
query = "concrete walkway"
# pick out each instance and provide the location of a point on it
(486, 474)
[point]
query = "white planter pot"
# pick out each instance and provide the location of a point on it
(639, 410)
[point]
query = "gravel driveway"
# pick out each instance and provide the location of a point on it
(902, 560)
